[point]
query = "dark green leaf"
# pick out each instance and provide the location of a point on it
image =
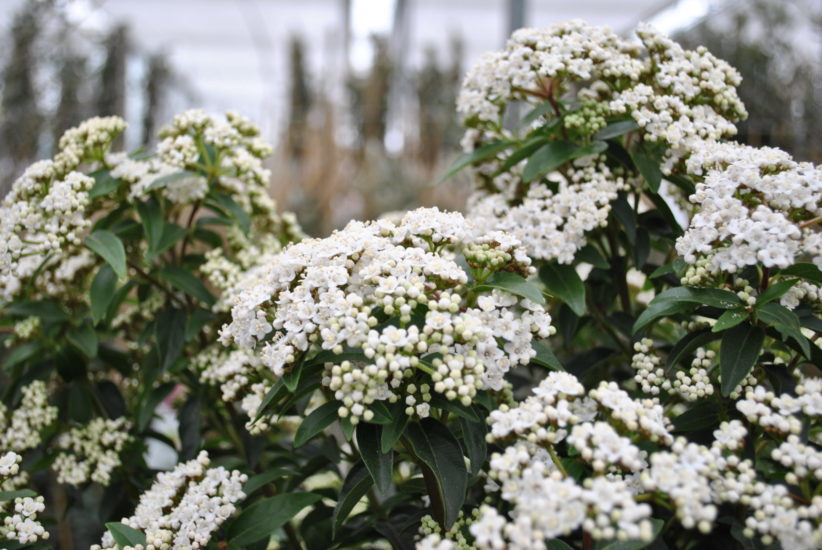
(473, 437)
(679, 299)
(104, 183)
(21, 353)
(445, 473)
(109, 247)
(356, 484)
(687, 344)
(786, 322)
(379, 464)
(266, 516)
(738, 354)
(467, 159)
(729, 319)
(162, 181)
(46, 310)
(524, 151)
(102, 291)
(806, 271)
(234, 210)
(124, 535)
(649, 169)
(198, 319)
(151, 215)
(170, 335)
(392, 432)
(6, 496)
(263, 479)
(319, 419)
(557, 544)
(171, 234)
(674, 268)
(552, 155)
(84, 339)
(184, 280)
(591, 255)
(188, 420)
(616, 129)
(703, 415)
(775, 291)
(625, 214)
(563, 282)
(540, 110)
(149, 401)
(513, 284)
(545, 356)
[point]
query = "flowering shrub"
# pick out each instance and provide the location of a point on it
(617, 347)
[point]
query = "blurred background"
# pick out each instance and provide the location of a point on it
(357, 95)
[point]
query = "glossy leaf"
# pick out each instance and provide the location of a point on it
(185, 281)
(319, 419)
(738, 353)
(679, 299)
(786, 322)
(545, 356)
(552, 155)
(356, 484)
(266, 516)
(649, 169)
(616, 129)
(379, 464)
(124, 535)
(104, 183)
(84, 339)
(775, 291)
(513, 284)
(109, 247)
(391, 433)
(729, 319)
(445, 473)
(102, 291)
(467, 159)
(563, 282)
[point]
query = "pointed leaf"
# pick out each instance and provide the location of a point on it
(151, 217)
(319, 419)
(445, 475)
(729, 319)
(513, 284)
(84, 339)
(185, 281)
(109, 247)
(738, 354)
(563, 282)
(264, 517)
(616, 129)
(467, 159)
(552, 155)
(379, 464)
(102, 292)
(356, 484)
(391, 433)
(545, 356)
(775, 291)
(124, 535)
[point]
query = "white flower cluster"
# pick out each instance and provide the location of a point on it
(755, 206)
(43, 218)
(184, 506)
(20, 429)
(675, 96)
(396, 294)
(604, 429)
(551, 223)
(92, 451)
(20, 523)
